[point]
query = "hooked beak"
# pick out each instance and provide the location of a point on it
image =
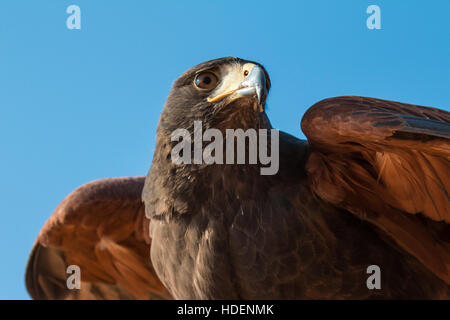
(253, 85)
(255, 82)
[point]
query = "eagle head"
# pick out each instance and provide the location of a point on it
(222, 93)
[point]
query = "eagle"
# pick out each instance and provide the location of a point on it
(368, 189)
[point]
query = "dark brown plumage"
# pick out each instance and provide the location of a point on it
(369, 187)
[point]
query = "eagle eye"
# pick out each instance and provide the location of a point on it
(206, 80)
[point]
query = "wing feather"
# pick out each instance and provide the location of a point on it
(388, 163)
(101, 227)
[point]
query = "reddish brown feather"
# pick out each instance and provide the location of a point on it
(362, 161)
(102, 228)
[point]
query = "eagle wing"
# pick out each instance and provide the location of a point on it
(388, 163)
(100, 227)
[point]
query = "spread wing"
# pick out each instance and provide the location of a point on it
(100, 227)
(388, 163)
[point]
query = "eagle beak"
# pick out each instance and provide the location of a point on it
(253, 85)
(254, 82)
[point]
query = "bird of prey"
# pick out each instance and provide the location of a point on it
(370, 187)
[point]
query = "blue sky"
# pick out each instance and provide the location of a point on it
(79, 105)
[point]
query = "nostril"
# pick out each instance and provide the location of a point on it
(245, 73)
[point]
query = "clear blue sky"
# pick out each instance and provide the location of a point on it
(79, 105)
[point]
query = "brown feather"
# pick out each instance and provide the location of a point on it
(101, 227)
(384, 160)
